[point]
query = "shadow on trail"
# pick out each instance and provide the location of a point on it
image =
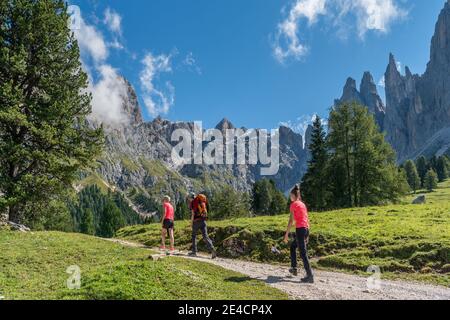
(239, 279)
(269, 280)
(275, 279)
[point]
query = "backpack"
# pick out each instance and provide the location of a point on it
(199, 206)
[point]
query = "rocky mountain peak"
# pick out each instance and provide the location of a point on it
(392, 71)
(350, 92)
(368, 96)
(131, 104)
(225, 124)
(440, 43)
(408, 72)
(368, 84)
(371, 98)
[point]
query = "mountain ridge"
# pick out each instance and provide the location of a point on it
(417, 106)
(138, 158)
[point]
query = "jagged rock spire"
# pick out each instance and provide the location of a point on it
(224, 125)
(367, 95)
(350, 92)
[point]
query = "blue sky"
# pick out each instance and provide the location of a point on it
(209, 59)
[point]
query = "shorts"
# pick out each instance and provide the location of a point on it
(168, 224)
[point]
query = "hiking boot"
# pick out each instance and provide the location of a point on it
(293, 271)
(308, 279)
(213, 254)
(192, 254)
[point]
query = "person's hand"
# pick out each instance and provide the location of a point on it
(286, 238)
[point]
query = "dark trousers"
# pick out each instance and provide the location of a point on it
(301, 236)
(201, 225)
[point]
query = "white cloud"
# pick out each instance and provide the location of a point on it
(287, 41)
(107, 87)
(300, 125)
(91, 42)
(113, 21)
(108, 96)
(157, 101)
(375, 14)
(190, 62)
(366, 15)
(399, 66)
(382, 82)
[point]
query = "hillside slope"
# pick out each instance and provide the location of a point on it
(33, 266)
(406, 241)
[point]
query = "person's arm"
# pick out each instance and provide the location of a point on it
(289, 227)
(163, 214)
(192, 213)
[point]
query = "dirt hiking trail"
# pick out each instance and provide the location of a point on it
(327, 286)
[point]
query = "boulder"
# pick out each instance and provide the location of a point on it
(420, 200)
(18, 227)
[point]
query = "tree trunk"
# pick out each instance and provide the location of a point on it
(14, 214)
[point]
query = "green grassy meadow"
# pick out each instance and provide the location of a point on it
(406, 241)
(33, 266)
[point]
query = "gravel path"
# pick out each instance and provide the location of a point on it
(328, 286)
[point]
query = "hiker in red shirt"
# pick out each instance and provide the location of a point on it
(168, 224)
(299, 214)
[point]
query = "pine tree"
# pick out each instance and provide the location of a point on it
(431, 180)
(422, 169)
(432, 163)
(262, 197)
(229, 203)
(361, 159)
(447, 164)
(44, 138)
(267, 199)
(314, 190)
(412, 175)
(279, 203)
(182, 211)
(87, 222)
(131, 217)
(441, 168)
(111, 220)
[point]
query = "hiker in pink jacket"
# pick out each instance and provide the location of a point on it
(299, 214)
(168, 225)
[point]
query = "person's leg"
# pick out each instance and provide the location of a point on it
(172, 239)
(163, 237)
(194, 236)
(294, 247)
(207, 239)
(302, 234)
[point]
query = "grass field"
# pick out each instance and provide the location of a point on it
(33, 266)
(406, 241)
